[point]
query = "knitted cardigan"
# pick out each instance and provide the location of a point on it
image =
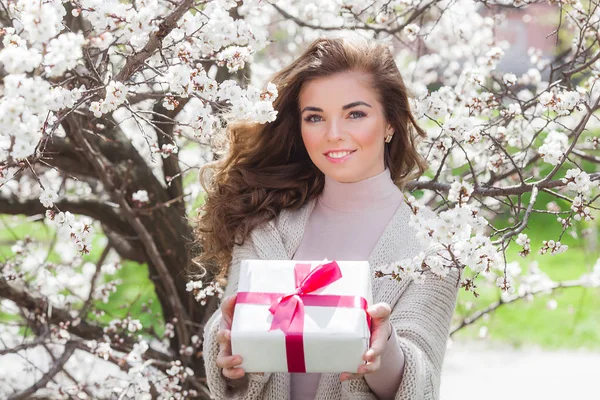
(421, 313)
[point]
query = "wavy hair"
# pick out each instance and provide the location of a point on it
(267, 168)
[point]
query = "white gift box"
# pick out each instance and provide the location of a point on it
(333, 338)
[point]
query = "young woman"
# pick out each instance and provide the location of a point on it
(325, 180)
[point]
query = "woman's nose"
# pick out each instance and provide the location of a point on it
(334, 130)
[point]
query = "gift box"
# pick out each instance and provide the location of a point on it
(302, 316)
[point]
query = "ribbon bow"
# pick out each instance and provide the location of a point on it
(288, 310)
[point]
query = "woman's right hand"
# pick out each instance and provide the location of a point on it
(225, 360)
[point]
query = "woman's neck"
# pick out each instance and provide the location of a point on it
(371, 193)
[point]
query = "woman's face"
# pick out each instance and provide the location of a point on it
(343, 126)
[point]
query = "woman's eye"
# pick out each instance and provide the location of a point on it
(353, 115)
(310, 118)
(358, 114)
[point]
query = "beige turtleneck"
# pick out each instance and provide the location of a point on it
(345, 224)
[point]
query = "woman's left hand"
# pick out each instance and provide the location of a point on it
(381, 329)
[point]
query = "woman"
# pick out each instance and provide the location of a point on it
(325, 180)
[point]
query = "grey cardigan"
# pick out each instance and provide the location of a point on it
(421, 313)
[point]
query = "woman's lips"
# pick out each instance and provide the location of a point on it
(339, 160)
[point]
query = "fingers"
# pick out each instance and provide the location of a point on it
(379, 312)
(230, 365)
(227, 307)
(378, 343)
(224, 340)
(362, 370)
(373, 355)
(344, 376)
(225, 360)
(228, 361)
(370, 367)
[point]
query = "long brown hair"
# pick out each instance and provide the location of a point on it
(267, 167)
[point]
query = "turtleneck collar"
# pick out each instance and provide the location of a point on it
(372, 193)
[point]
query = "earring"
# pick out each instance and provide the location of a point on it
(388, 138)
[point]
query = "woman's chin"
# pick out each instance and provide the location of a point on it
(343, 176)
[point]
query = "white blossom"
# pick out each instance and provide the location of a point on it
(18, 60)
(553, 247)
(110, 269)
(460, 192)
(531, 77)
(63, 53)
(201, 293)
(134, 325)
(581, 210)
(592, 279)
(234, 57)
(509, 79)
(562, 102)
(411, 31)
(116, 94)
(48, 197)
(60, 98)
(103, 350)
(554, 147)
(140, 196)
(577, 181)
(178, 78)
(524, 241)
(41, 20)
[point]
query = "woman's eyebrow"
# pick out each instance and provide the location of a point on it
(347, 106)
(356, 103)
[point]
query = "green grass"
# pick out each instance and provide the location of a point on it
(575, 322)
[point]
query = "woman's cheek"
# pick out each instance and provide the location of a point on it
(366, 136)
(311, 142)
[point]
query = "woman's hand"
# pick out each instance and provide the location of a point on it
(225, 360)
(381, 329)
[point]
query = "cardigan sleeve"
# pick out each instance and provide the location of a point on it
(421, 319)
(251, 385)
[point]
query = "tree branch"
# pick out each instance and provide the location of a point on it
(365, 26)
(56, 368)
(101, 211)
(135, 61)
(100, 164)
(164, 133)
(83, 329)
(495, 191)
(24, 346)
(168, 228)
(577, 133)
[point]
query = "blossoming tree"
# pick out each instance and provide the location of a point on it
(109, 108)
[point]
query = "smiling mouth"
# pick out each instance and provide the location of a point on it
(338, 154)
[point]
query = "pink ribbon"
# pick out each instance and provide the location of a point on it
(288, 309)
